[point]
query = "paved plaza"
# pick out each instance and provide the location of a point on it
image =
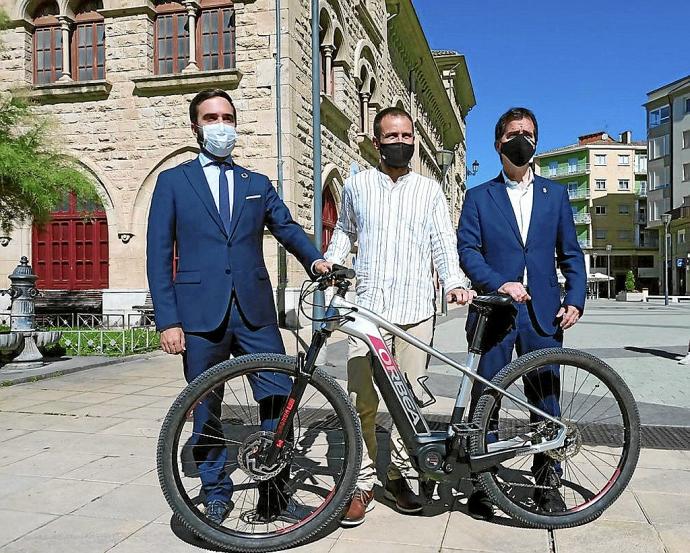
(77, 462)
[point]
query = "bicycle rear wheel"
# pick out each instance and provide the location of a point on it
(309, 485)
(575, 483)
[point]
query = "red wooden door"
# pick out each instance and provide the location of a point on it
(329, 217)
(71, 251)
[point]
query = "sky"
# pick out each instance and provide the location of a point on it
(582, 66)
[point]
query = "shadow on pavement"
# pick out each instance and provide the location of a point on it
(654, 352)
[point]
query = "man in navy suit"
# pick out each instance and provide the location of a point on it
(513, 231)
(220, 301)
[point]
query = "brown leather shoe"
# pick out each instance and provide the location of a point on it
(399, 490)
(361, 503)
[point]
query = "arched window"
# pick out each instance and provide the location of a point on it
(216, 35)
(366, 91)
(47, 44)
(88, 43)
(329, 217)
(171, 38)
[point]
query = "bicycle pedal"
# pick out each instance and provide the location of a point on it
(466, 429)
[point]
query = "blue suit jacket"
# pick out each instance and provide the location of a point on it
(212, 262)
(492, 253)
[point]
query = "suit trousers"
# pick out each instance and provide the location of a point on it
(365, 397)
(234, 337)
(522, 334)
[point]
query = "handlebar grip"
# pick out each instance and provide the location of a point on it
(340, 271)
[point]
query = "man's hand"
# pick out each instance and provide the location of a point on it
(322, 266)
(570, 315)
(516, 291)
(460, 296)
(172, 340)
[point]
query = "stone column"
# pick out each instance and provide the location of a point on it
(65, 24)
(192, 11)
(365, 112)
(328, 55)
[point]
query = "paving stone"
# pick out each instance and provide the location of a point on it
(665, 508)
(127, 502)
(50, 462)
(660, 480)
(15, 524)
(605, 536)
(118, 469)
(675, 537)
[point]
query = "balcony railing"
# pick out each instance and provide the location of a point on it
(584, 242)
(566, 171)
(582, 218)
(579, 194)
(641, 190)
(641, 219)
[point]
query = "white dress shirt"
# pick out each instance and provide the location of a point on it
(400, 227)
(521, 195)
(212, 173)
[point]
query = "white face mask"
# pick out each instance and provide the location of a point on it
(218, 139)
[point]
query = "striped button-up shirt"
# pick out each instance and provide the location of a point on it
(400, 228)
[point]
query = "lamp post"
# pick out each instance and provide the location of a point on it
(475, 168)
(609, 247)
(444, 159)
(594, 270)
(666, 218)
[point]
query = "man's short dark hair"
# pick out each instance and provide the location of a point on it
(515, 114)
(205, 95)
(393, 112)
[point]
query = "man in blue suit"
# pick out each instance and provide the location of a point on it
(219, 303)
(513, 232)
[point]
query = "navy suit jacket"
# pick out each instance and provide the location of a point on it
(492, 253)
(213, 262)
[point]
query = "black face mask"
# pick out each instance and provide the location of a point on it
(518, 150)
(397, 154)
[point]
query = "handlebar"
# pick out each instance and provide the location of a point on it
(338, 275)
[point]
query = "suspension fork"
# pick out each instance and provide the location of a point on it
(305, 369)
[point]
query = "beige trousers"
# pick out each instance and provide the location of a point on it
(365, 397)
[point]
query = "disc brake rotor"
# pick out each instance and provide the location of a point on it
(250, 456)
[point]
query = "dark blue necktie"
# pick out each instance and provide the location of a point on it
(224, 196)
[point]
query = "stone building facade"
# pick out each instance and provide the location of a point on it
(118, 98)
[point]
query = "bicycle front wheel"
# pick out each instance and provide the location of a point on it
(270, 507)
(573, 484)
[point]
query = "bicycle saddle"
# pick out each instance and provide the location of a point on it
(493, 301)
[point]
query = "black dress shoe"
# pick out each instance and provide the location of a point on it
(479, 505)
(399, 490)
(217, 510)
(546, 495)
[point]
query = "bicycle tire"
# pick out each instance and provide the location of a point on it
(514, 371)
(168, 472)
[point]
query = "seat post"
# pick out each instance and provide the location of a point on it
(475, 345)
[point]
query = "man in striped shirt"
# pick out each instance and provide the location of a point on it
(401, 222)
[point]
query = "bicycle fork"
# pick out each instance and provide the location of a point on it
(305, 369)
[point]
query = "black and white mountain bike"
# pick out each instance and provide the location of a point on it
(313, 456)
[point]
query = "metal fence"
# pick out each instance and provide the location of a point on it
(110, 342)
(94, 320)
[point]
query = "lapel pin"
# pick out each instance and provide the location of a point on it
(544, 190)
(245, 175)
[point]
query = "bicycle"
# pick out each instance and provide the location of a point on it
(595, 440)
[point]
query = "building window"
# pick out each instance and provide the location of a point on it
(659, 146)
(572, 165)
(212, 45)
(623, 159)
(659, 178)
(687, 105)
(216, 37)
(171, 50)
(623, 209)
(600, 159)
(686, 171)
(640, 164)
(553, 168)
(681, 236)
(600, 184)
(366, 91)
(686, 139)
(600, 234)
(47, 44)
(600, 210)
(659, 116)
(88, 43)
(624, 235)
(623, 185)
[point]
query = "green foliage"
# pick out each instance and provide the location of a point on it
(34, 175)
(630, 281)
(4, 21)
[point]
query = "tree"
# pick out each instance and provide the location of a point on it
(630, 281)
(34, 175)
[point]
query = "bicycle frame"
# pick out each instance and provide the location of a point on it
(365, 325)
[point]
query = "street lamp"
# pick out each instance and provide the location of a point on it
(473, 171)
(666, 218)
(609, 247)
(444, 159)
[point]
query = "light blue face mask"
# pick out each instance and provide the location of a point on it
(218, 139)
